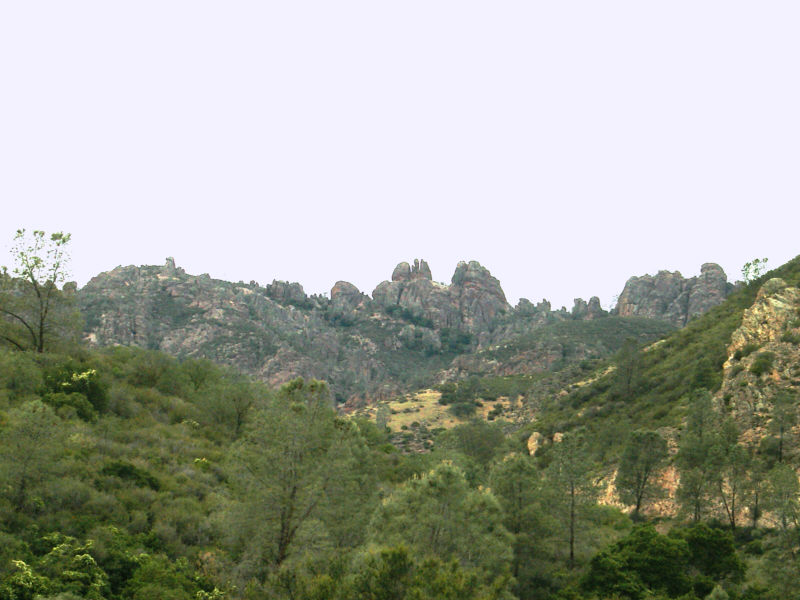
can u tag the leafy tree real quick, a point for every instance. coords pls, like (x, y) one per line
(158, 577)
(784, 417)
(383, 416)
(731, 463)
(694, 456)
(753, 269)
(757, 488)
(642, 459)
(30, 449)
(226, 403)
(393, 574)
(283, 470)
(439, 515)
(72, 569)
(516, 482)
(34, 309)
(640, 564)
(477, 439)
(569, 488)
(627, 377)
(712, 552)
(784, 495)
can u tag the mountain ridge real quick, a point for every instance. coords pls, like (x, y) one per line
(365, 346)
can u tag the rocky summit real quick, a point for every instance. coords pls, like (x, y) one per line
(366, 346)
(673, 298)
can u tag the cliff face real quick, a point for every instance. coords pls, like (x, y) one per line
(764, 355)
(673, 298)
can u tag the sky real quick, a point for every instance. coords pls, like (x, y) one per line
(566, 146)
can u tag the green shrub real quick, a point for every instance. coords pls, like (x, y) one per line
(78, 402)
(463, 410)
(762, 363)
(791, 337)
(129, 472)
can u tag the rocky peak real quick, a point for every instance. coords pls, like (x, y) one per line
(592, 310)
(673, 298)
(284, 292)
(170, 270)
(479, 295)
(402, 272)
(406, 272)
(345, 296)
(470, 303)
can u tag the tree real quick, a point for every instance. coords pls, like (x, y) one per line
(784, 417)
(639, 564)
(226, 403)
(393, 574)
(516, 482)
(569, 487)
(629, 371)
(439, 515)
(784, 495)
(30, 451)
(642, 459)
(33, 308)
(694, 456)
(284, 468)
(731, 466)
(754, 269)
(712, 556)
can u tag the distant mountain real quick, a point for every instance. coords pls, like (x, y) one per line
(410, 333)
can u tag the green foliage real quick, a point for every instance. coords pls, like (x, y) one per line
(754, 269)
(34, 312)
(159, 577)
(712, 552)
(129, 472)
(640, 564)
(392, 573)
(644, 455)
(477, 440)
(30, 453)
(73, 400)
(762, 363)
(783, 495)
(570, 489)
(463, 410)
(296, 459)
(439, 515)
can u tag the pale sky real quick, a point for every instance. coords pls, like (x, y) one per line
(564, 145)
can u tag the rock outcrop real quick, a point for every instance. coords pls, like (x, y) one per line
(673, 298)
(284, 292)
(592, 310)
(763, 356)
(366, 348)
(469, 303)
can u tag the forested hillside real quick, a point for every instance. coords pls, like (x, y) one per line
(668, 470)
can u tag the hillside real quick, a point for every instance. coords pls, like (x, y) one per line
(130, 474)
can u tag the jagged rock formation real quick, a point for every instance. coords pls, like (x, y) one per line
(764, 354)
(470, 303)
(592, 310)
(671, 297)
(285, 292)
(411, 329)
